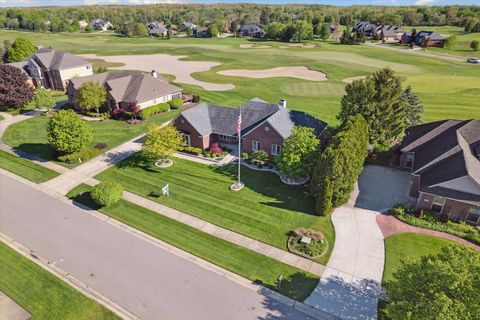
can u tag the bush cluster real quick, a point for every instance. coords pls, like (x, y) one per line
(175, 103)
(107, 193)
(84, 154)
(430, 221)
(150, 111)
(191, 150)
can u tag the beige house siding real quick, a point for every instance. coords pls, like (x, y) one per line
(161, 99)
(82, 71)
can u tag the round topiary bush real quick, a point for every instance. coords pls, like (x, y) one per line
(107, 193)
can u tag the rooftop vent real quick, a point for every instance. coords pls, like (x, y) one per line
(283, 103)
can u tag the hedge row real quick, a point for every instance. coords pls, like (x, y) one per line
(150, 111)
(428, 221)
(84, 155)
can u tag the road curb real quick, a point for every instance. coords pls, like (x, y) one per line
(67, 278)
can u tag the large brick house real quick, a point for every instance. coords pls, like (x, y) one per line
(264, 125)
(128, 87)
(423, 38)
(53, 69)
(444, 159)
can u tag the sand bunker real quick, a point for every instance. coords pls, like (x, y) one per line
(350, 80)
(291, 72)
(299, 45)
(167, 64)
(254, 46)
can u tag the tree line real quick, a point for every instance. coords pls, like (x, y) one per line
(232, 16)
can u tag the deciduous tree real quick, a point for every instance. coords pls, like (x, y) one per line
(324, 31)
(303, 30)
(160, 143)
(20, 49)
(443, 286)
(43, 99)
(67, 133)
(297, 157)
(91, 96)
(15, 92)
(474, 45)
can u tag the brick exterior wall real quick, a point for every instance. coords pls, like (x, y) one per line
(196, 139)
(266, 135)
(452, 209)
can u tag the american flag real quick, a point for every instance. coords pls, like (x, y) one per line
(239, 124)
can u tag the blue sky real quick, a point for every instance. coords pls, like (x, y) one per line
(27, 3)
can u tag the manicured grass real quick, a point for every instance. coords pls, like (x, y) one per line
(320, 99)
(404, 246)
(42, 294)
(297, 284)
(266, 209)
(1, 117)
(24, 168)
(30, 135)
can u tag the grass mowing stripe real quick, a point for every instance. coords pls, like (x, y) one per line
(42, 294)
(24, 168)
(297, 283)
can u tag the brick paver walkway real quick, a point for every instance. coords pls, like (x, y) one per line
(389, 225)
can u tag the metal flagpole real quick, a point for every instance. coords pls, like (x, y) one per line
(239, 130)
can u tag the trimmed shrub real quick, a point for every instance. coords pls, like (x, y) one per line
(191, 150)
(196, 98)
(176, 103)
(107, 193)
(84, 155)
(260, 156)
(150, 111)
(245, 155)
(215, 149)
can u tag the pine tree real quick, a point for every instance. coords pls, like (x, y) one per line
(413, 108)
(323, 204)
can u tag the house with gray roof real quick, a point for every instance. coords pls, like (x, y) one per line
(424, 38)
(264, 125)
(127, 88)
(99, 24)
(53, 69)
(444, 159)
(251, 30)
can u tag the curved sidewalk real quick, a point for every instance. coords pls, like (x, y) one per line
(389, 225)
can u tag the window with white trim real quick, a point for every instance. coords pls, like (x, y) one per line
(276, 148)
(223, 137)
(437, 204)
(256, 145)
(473, 215)
(187, 139)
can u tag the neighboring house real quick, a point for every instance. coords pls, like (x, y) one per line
(128, 87)
(161, 31)
(424, 39)
(201, 32)
(430, 39)
(332, 27)
(99, 24)
(367, 28)
(187, 25)
(83, 24)
(251, 30)
(444, 159)
(388, 33)
(155, 25)
(53, 69)
(264, 125)
(22, 65)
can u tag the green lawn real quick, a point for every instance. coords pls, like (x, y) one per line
(249, 264)
(30, 135)
(409, 245)
(42, 294)
(266, 209)
(321, 99)
(1, 117)
(24, 168)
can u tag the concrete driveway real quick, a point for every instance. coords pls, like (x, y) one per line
(351, 283)
(379, 188)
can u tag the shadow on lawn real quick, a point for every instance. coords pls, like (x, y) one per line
(41, 152)
(293, 198)
(290, 286)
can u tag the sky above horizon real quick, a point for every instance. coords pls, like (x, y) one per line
(29, 3)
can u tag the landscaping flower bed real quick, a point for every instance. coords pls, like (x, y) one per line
(428, 220)
(315, 247)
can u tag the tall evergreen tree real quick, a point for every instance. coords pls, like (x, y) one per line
(413, 108)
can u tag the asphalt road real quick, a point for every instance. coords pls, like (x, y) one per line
(147, 280)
